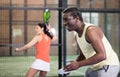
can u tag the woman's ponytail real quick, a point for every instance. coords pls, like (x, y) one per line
(46, 30)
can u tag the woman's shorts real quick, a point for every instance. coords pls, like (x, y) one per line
(41, 65)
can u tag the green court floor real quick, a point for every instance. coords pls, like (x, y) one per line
(17, 66)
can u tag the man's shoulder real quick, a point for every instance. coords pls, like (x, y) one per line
(89, 24)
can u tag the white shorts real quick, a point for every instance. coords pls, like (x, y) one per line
(41, 65)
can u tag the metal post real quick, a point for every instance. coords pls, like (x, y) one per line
(119, 31)
(25, 25)
(105, 19)
(10, 28)
(62, 49)
(64, 38)
(60, 35)
(78, 3)
(90, 5)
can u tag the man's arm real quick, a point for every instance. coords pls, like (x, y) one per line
(94, 37)
(81, 56)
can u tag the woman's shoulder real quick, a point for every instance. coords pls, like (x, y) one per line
(38, 37)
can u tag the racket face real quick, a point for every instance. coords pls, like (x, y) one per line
(46, 15)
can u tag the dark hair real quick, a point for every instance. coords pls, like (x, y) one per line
(74, 12)
(46, 31)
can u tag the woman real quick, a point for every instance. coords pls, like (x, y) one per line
(42, 42)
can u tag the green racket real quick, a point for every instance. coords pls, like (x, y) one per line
(46, 16)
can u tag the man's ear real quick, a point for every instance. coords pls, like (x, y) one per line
(77, 19)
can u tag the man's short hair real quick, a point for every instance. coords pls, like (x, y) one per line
(74, 12)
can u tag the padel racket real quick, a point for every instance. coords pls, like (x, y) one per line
(46, 16)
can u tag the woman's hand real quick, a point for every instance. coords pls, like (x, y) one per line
(16, 49)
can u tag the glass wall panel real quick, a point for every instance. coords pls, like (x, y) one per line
(112, 4)
(72, 2)
(97, 4)
(17, 15)
(101, 21)
(51, 3)
(17, 3)
(85, 3)
(4, 39)
(35, 3)
(5, 3)
(34, 15)
(4, 32)
(113, 30)
(4, 15)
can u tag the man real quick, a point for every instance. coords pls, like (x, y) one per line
(95, 50)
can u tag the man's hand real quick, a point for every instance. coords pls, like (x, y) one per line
(72, 66)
